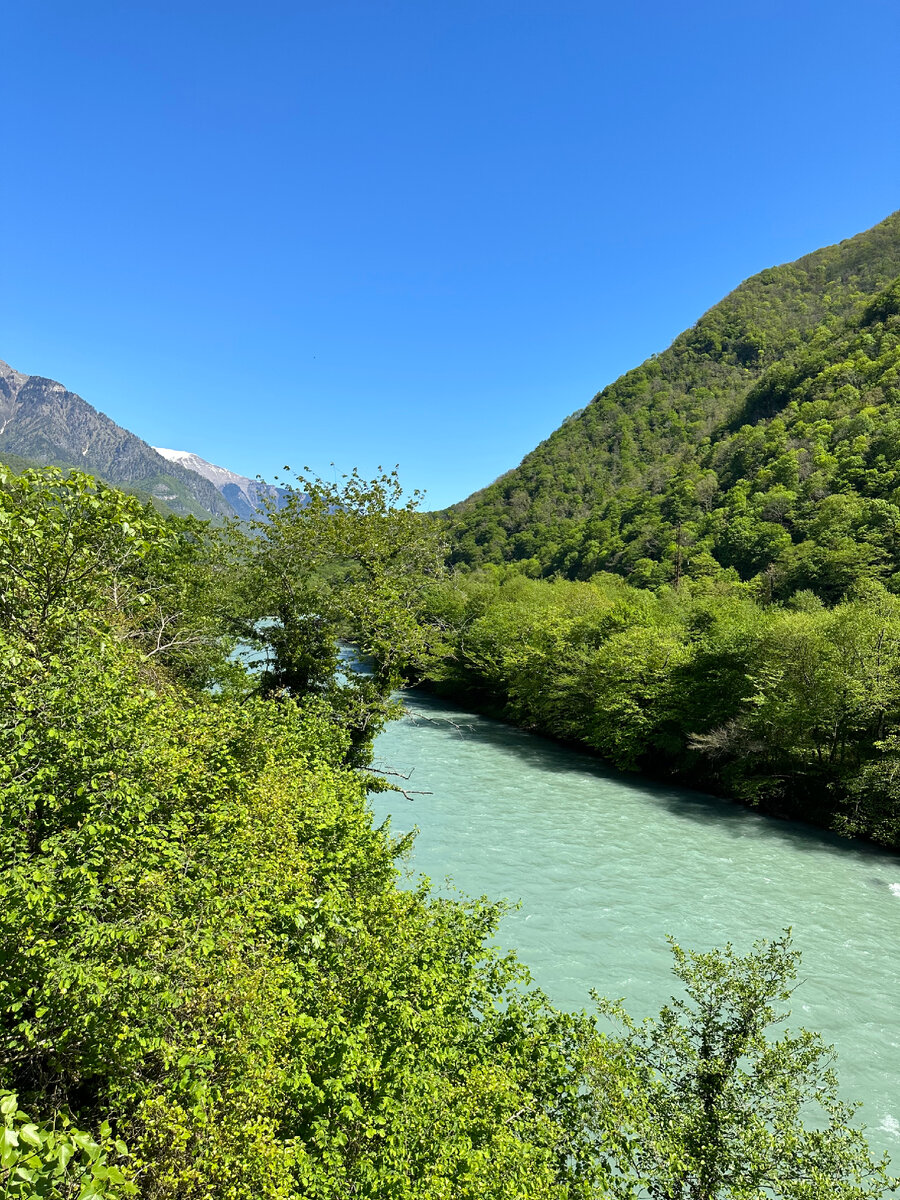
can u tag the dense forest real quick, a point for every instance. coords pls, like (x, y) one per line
(761, 446)
(212, 984)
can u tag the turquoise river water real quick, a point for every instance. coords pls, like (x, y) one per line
(605, 865)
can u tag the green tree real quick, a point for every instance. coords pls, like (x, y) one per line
(715, 1108)
(346, 560)
(78, 557)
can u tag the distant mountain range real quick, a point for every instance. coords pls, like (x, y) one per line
(42, 423)
(246, 496)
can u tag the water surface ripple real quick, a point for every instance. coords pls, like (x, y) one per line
(605, 865)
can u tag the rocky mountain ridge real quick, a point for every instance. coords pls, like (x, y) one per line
(43, 423)
(246, 496)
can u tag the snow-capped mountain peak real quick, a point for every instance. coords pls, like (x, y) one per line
(217, 475)
(245, 495)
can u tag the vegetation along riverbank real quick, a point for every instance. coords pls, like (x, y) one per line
(212, 985)
(794, 708)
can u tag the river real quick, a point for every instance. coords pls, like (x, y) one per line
(604, 865)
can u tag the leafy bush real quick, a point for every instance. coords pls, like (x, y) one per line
(59, 1162)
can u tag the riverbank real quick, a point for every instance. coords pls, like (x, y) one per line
(791, 710)
(485, 705)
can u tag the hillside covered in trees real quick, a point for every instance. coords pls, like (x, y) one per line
(718, 534)
(761, 445)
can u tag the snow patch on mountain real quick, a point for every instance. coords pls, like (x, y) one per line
(217, 475)
(246, 496)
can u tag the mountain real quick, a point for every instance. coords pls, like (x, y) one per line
(764, 444)
(42, 422)
(246, 496)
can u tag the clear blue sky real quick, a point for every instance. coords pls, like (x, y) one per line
(414, 231)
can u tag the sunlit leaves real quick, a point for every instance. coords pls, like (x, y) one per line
(57, 1161)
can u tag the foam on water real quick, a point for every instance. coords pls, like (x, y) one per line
(605, 865)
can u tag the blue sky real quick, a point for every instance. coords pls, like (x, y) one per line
(412, 232)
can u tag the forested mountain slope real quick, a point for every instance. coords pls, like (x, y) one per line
(761, 443)
(42, 422)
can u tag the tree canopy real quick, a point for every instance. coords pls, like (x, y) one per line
(718, 1108)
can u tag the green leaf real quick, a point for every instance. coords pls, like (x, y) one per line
(30, 1134)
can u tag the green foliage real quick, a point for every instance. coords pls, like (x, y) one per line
(235, 968)
(80, 558)
(762, 445)
(204, 953)
(201, 937)
(795, 708)
(59, 1162)
(346, 561)
(716, 1109)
